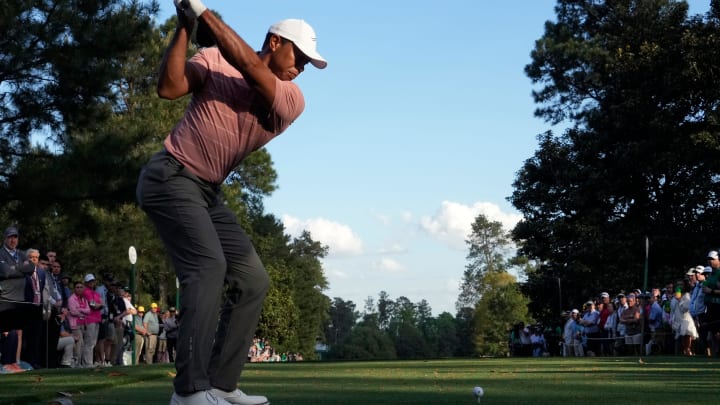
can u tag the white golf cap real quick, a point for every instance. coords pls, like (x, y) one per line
(303, 36)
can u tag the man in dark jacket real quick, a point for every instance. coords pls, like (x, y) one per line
(15, 311)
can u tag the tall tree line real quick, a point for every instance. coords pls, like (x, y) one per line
(489, 304)
(638, 84)
(409, 331)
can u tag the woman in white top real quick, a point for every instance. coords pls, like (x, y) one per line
(683, 324)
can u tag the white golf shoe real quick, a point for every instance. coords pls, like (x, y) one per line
(207, 397)
(240, 398)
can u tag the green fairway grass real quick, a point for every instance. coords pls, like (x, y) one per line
(667, 380)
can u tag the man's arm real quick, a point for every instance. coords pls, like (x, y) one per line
(74, 307)
(241, 56)
(7, 270)
(145, 323)
(234, 49)
(173, 82)
(140, 328)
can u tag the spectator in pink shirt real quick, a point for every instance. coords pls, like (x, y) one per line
(78, 310)
(92, 320)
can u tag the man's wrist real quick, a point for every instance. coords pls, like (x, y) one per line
(197, 7)
(192, 8)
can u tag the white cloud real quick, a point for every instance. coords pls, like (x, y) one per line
(339, 274)
(340, 238)
(452, 223)
(407, 216)
(387, 264)
(393, 249)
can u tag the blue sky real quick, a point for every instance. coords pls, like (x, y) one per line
(419, 123)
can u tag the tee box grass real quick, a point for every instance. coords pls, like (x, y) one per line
(504, 380)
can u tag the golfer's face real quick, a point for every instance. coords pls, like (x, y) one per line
(288, 61)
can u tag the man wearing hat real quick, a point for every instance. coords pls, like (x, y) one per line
(697, 304)
(590, 319)
(571, 338)
(152, 325)
(92, 320)
(140, 332)
(19, 310)
(171, 330)
(711, 288)
(106, 334)
(11, 254)
(604, 314)
(13, 267)
(241, 99)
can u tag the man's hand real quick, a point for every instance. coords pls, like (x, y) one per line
(192, 8)
(184, 20)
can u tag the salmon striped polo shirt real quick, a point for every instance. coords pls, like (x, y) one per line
(226, 120)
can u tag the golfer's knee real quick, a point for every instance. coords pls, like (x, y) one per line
(258, 283)
(252, 281)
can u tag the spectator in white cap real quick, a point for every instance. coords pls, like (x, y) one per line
(590, 319)
(92, 320)
(571, 338)
(604, 314)
(241, 99)
(711, 288)
(697, 306)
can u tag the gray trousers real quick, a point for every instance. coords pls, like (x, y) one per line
(222, 281)
(90, 334)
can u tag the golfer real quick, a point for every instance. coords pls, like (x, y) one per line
(241, 99)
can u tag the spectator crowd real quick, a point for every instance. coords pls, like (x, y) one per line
(50, 320)
(680, 318)
(262, 352)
